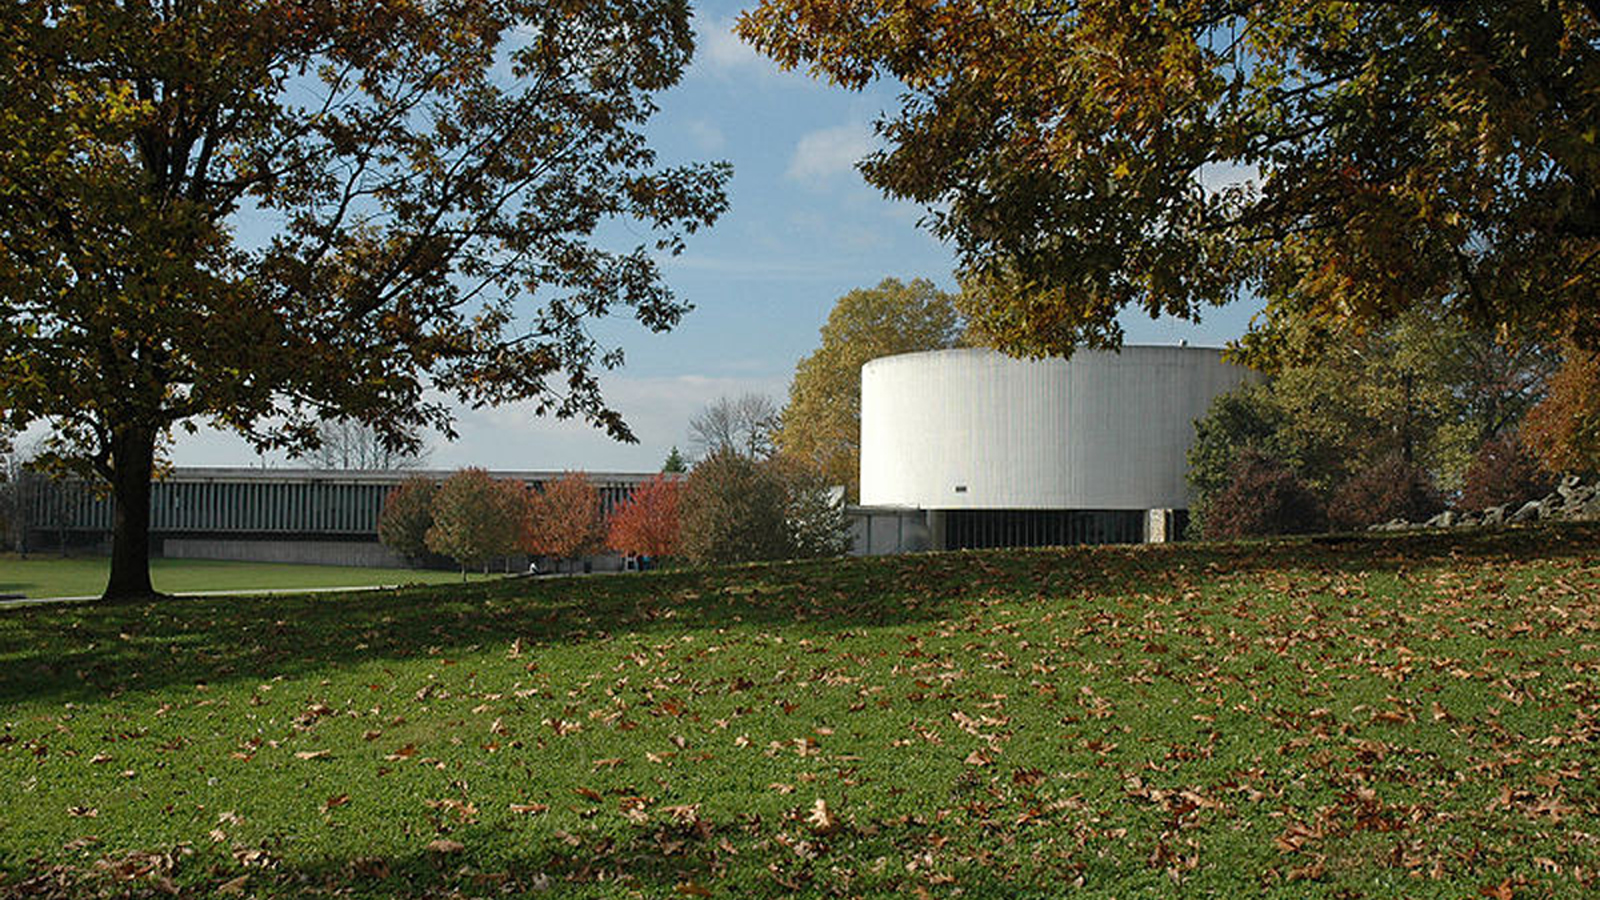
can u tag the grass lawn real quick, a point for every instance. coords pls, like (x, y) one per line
(1406, 716)
(85, 576)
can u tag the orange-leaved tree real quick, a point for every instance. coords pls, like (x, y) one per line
(647, 523)
(477, 518)
(1564, 429)
(564, 520)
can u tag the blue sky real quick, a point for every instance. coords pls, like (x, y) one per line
(803, 229)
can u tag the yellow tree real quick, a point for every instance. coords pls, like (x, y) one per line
(426, 182)
(822, 423)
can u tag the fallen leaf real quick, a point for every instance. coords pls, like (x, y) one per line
(692, 889)
(233, 886)
(822, 820)
(310, 754)
(1501, 891)
(445, 845)
(534, 808)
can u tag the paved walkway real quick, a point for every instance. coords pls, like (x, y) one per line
(247, 592)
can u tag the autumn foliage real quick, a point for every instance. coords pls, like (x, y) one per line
(564, 520)
(1564, 429)
(1392, 488)
(477, 518)
(1502, 472)
(646, 524)
(407, 515)
(1264, 497)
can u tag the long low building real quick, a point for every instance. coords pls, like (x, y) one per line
(270, 515)
(985, 450)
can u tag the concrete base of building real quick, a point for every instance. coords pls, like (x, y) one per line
(879, 530)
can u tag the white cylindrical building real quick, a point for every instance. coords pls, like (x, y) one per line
(1010, 451)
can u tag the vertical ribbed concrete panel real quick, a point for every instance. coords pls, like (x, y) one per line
(975, 429)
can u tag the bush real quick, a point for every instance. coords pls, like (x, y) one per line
(406, 517)
(1392, 488)
(1264, 497)
(1503, 471)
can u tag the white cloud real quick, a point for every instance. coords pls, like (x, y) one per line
(512, 437)
(719, 48)
(708, 137)
(831, 151)
(658, 410)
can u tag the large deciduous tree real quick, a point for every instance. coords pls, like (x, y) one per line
(822, 423)
(349, 445)
(1345, 160)
(260, 213)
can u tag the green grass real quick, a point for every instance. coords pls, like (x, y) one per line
(53, 576)
(1411, 716)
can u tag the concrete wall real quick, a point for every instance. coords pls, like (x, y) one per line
(975, 429)
(317, 553)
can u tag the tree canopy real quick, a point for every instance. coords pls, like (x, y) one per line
(822, 423)
(407, 515)
(564, 518)
(425, 181)
(646, 524)
(744, 424)
(1343, 160)
(477, 517)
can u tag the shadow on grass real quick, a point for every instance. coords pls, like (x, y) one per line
(662, 859)
(84, 651)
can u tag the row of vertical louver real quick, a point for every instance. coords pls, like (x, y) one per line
(248, 504)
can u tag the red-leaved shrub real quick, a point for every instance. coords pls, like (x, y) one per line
(1392, 488)
(1503, 472)
(1264, 497)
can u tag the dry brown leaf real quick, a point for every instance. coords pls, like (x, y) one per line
(445, 845)
(822, 820)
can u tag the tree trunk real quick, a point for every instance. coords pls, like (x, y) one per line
(132, 458)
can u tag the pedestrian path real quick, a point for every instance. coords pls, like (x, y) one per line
(246, 592)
